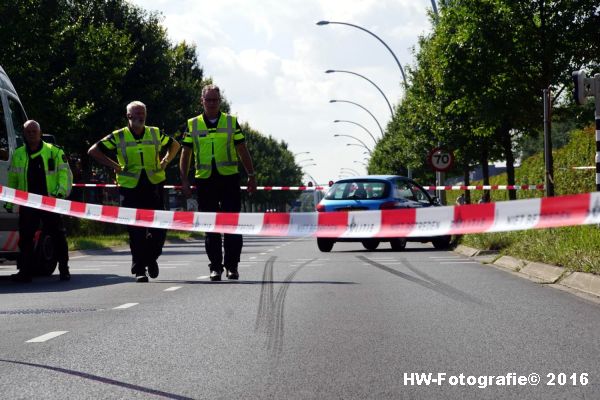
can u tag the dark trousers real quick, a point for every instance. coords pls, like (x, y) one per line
(29, 223)
(146, 244)
(221, 193)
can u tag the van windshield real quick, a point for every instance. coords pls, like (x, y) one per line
(18, 118)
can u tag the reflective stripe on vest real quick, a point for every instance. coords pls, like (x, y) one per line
(130, 176)
(203, 168)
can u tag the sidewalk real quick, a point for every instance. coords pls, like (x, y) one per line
(559, 277)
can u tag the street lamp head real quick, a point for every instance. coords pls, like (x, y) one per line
(337, 120)
(332, 101)
(329, 71)
(336, 135)
(323, 23)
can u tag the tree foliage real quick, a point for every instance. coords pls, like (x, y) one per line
(476, 86)
(77, 64)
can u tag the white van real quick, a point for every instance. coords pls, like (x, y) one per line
(12, 118)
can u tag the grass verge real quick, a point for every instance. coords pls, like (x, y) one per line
(574, 247)
(107, 241)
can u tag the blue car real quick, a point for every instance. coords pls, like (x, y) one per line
(378, 192)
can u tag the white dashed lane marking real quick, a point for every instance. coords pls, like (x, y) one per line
(46, 337)
(203, 277)
(172, 289)
(126, 305)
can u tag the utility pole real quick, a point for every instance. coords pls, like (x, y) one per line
(549, 162)
(590, 87)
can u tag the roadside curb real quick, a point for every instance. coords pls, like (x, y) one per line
(539, 272)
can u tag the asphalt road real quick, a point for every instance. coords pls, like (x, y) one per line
(299, 324)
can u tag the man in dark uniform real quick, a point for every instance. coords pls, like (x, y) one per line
(140, 176)
(216, 140)
(41, 168)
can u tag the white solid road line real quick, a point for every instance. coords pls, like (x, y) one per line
(126, 305)
(172, 288)
(84, 269)
(75, 257)
(459, 262)
(115, 262)
(46, 337)
(174, 263)
(203, 277)
(448, 256)
(167, 267)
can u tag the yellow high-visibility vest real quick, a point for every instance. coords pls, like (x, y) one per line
(59, 179)
(217, 144)
(133, 156)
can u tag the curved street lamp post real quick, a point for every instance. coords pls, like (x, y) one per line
(355, 123)
(358, 105)
(360, 145)
(320, 23)
(344, 169)
(329, 71)
(355, 138)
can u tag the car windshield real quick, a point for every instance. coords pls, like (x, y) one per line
(366, 189)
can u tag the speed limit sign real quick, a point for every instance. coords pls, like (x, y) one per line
(440, 159)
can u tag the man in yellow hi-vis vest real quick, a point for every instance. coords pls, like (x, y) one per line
(216, 140)
(41, 168)
(140, 176)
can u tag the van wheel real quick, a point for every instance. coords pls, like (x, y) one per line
(441, 242)
(370, 244)
(45, 259)
(325, 245)
(398, 244)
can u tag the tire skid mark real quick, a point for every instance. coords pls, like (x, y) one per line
(265, 304)
(428, 282)
(271, 307)
(275, 342)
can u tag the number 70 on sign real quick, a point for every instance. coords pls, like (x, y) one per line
(440, 159)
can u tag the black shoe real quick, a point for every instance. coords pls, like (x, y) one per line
(141, 278)
(64, 275)
(232, 273)
(153, 269)
(21, 277)
(215, 275)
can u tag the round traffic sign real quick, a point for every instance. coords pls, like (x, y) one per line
(440, 159)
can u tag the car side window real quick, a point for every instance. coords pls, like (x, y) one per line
(408, 191)
(402, 190)
(419, 194)
(4, 147)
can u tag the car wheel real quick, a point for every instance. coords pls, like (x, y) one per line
(442, 242)
(398, 244)
(325, 245)
(370, 244)
(45, 259)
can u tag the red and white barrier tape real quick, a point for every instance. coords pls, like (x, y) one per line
(417, 222)
(486, 187)
(311, 188)
(267, 188)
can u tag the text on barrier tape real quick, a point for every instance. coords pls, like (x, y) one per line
(267, 188)
(309, 188)
(513, 215)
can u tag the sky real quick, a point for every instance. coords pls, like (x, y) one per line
(269, 58)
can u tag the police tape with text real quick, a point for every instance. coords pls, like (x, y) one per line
(536, 213)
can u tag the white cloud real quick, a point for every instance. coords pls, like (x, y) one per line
(269, 58)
